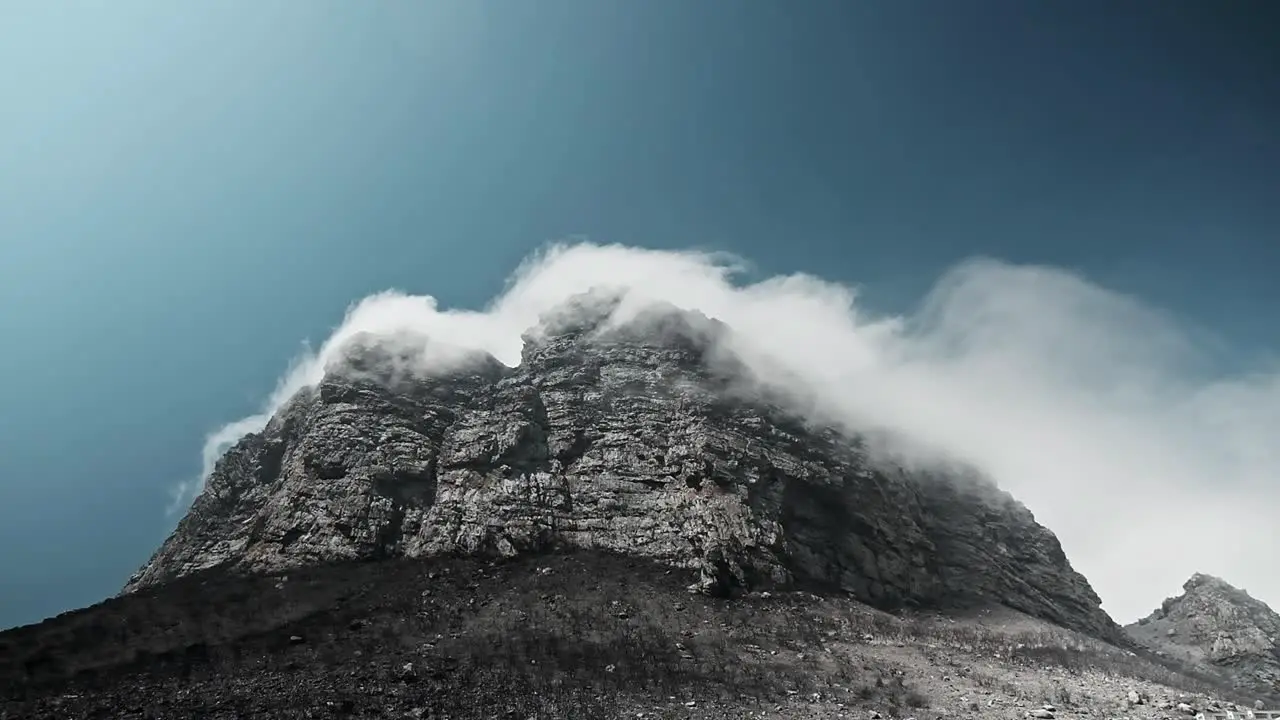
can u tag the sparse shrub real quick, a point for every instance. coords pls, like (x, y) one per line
(913, 698)
(984, 680)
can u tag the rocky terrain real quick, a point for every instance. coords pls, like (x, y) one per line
(626, 524)
(1219, 628)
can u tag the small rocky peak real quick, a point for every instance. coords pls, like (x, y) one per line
(1218, 624)
(607, 313)
(1203, 592)
(1200, 593)
(665, 325)
(606, 318)
(1205, 581)
(580, 314)
(395, 360)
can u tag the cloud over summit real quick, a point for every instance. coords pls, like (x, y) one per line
(1097, 411)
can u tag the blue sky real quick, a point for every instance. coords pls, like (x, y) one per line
(190, 190)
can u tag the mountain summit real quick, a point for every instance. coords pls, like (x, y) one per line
(632, 437)
(1218, 626)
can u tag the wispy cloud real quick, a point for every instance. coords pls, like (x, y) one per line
(1096, 410)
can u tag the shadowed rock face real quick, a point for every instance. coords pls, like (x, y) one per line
(1219, 626)
(636, 439)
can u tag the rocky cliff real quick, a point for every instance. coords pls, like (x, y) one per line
(642, 439)
(1219, 626)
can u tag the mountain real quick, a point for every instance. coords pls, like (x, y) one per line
(628, 523)
(646, 438)
(1217, 626)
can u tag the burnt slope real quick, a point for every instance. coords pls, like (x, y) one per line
(579, 635)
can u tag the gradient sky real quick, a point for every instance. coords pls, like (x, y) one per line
(188, 191)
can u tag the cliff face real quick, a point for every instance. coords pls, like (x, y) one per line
(639, 441)
(1220, 626)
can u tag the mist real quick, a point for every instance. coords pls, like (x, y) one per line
(1105, 416)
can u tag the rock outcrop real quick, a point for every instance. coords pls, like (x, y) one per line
(643, 439)
(1218, 627)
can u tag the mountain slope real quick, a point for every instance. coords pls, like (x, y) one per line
(1218, 626)
(645, 439)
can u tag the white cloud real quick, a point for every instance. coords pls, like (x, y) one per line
(1087, 405)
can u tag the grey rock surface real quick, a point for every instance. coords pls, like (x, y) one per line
(1218, 626)
(639, 440)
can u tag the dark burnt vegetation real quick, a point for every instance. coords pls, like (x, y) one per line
(580, 635)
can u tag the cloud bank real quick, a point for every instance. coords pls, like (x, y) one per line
(1092, 408)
